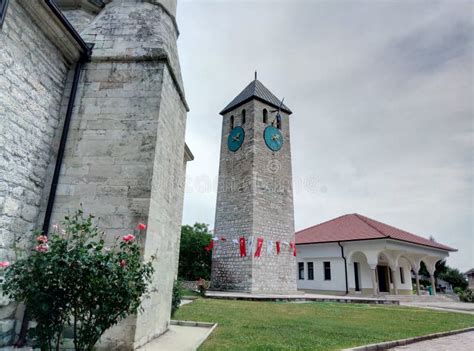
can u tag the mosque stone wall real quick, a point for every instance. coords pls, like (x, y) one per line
(33, 75)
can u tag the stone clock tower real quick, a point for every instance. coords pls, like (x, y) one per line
(255, 196)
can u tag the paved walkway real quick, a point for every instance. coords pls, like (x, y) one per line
(300, 296)
(458, 342)
(179, 338)
(462, 307)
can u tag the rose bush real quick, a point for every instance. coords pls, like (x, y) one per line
(73, 279)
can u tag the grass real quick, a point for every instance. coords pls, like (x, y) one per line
(188, 292)
(250, 325)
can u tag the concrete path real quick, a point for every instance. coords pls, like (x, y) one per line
(179, 338)
(462, 307)
(300, 296)
(458, 342)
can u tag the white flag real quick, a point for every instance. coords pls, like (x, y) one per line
(215, 238)
(235, 242)
(269, 248)
(250, 246)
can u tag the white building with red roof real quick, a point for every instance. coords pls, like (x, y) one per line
(353, 254)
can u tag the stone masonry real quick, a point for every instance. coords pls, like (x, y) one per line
(125, 156)
(33, 76)
(254, 200)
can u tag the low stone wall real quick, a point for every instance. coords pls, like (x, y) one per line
(189, 284)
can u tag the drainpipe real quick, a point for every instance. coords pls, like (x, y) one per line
(86, 54)
(345, 266)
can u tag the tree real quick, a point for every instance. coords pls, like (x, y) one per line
(450, 275)
(454, 277)
(194, 261)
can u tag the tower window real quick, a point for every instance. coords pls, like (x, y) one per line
(278, 121)
(265, 116)
(243, 116)
(231, 122)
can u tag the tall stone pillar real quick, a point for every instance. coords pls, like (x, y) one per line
(125, 155)
(417, 278)
(394, 280)
(374, 279)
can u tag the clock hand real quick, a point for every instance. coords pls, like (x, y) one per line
(237, 137)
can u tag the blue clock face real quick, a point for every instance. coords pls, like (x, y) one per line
(235, 138)
(273, 138)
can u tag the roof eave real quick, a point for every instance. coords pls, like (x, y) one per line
(449, 249)
(233, 107)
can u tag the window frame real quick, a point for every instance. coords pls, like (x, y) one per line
(3, 11)
(300, 270)
(310, 270)
(327, 270)
(265, 116)
(232, 121)
(244, 116)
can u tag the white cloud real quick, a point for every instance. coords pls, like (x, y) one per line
(382, 100)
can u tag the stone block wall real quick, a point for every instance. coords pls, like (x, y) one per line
(33, 74)
(254, 199)
(125, 155)
(273, 207)
(234, 206)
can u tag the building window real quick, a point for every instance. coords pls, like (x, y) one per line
(231, 122)
(243, 116)
(300, 270)
(3, 10)
(310, 267)
(402, 276)
(327, 270)
(265, 116)
(390, 277)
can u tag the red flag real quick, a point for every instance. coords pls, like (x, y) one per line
(243, 251)
(259, 247)
(278, 247)
(293, 246)
(210, 246)
(223, 239)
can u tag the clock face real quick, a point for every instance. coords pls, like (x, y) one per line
(273, 138)
(235, 138)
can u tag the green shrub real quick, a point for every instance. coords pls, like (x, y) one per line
(465, 295)
(72, 278)
(177, 296)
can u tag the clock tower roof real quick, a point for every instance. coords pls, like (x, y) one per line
(255, 90)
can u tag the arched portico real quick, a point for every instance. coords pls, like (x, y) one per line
(387, 270)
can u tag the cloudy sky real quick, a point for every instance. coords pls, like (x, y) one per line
(382, 95)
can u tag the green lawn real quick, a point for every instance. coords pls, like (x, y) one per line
(249, 325)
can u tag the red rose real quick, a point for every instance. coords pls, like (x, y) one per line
(42, 239)
(129, 237)
(141, 226)
(123, 263)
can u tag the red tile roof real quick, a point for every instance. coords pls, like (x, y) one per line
(354, 227)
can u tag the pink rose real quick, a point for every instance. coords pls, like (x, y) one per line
(4, 264)
(42, 239)
(42, 248)
(129, 237)
(123, 263)
(141, 226)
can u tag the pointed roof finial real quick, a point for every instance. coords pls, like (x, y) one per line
(255, 74)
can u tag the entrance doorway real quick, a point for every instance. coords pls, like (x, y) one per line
(382, 275)
(357, 276)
